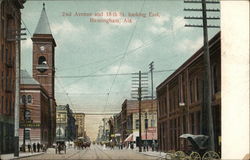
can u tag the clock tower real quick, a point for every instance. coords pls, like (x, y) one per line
(44, 64)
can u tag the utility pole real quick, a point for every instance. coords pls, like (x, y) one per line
(15, 35)
(140, 86)
(24, 119)
(151, 68)
(207, 116)
(139, 99)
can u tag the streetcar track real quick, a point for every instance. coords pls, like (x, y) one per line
(97, 157)
(104, 153)
(74, 154)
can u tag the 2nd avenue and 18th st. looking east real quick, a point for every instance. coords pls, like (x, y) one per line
(121, 80)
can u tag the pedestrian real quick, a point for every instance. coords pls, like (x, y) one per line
(42, 148)
(132, 145)
(29, 147)
(38, 146)
(34, 147)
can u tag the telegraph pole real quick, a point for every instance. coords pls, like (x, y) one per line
(151, 68)
(207, 116)
(139, 99)
(15, 35)
(24, 119)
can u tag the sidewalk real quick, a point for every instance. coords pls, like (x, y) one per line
(151, 153)
(154, 154)
(21, 155)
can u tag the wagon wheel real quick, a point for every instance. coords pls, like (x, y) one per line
(195, 156)
(180, 154)
(210, 155)
(186, 158)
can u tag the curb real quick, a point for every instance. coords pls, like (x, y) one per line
(25, 156)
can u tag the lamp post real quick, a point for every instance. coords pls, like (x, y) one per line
(146, 128)
(24, 120)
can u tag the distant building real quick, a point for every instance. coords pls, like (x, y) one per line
(130, 120)
(80, 124)
(10, 28)
(117, 127)
(65, 123)
(180, 100)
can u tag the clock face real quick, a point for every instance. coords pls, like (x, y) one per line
(42, 48)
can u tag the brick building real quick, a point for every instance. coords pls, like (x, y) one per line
(35, 104)
(180, 100)
(44, 65)
(65, 123)
(130, 120)
(39, 88)
(80, 124)
(10, 25)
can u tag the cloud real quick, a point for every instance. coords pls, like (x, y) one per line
(162, 19)
(123, 69)
(167, 25)
(179, 24)
(27, 44)
(135, 44)
(66, 28)
(188, 45)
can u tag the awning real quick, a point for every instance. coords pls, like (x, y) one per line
(148, 136)
(129, 138)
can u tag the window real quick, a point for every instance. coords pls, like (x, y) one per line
(152, 123)
(42, 60)
(137, 124)
(197, 88)
(6, 56)
(6, 105)
(191, 91)
(23, 99)
(146, 123)
(27, 115)
(2, 79)
(29, 99)
(2, 52)
(27, 134)
(214, 79)
(2, 104)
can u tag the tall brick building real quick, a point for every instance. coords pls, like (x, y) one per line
(180, 100)
(10, 25)
(80, 124)
(43, 78)
(44, 65)
(34, 102)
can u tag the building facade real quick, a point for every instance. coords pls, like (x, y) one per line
(80, 124)
(44, 64)
(10, 29)
(130, 120)
(180, 100)
(34, 111)
(65, 123)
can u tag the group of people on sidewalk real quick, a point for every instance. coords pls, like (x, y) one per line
(37, 147)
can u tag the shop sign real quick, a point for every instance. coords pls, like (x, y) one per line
(30, 125)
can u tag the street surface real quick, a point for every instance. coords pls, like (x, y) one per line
(94, 152)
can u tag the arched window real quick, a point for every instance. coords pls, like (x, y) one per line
(29, 99)
(42, 61)
(23, 99)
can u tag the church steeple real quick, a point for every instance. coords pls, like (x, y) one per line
(43, 23)
(44, 54)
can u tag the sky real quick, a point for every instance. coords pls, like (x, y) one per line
(93, 60)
